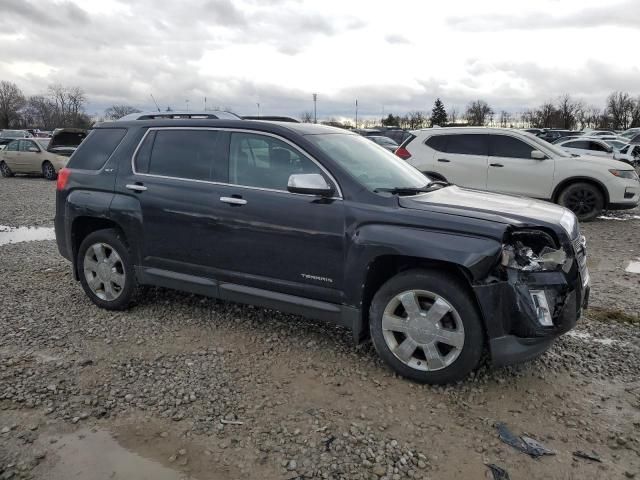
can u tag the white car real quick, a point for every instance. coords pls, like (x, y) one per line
(587, 146)
(518, 163)
(630, 133)
(629, 154)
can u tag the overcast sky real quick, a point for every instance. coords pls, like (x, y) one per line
(393, 56)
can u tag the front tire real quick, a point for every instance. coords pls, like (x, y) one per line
(5, 171)
(425, 326)
(48, 171)
(583, 199)
(106, 270)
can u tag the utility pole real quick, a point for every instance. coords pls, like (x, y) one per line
(315, 110)
(258, 104)
(205, 104)
(356, 113)
(187, 102)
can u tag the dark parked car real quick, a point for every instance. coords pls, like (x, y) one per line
(318, 221)
(65, 141)
(384, 142)
(552, 135)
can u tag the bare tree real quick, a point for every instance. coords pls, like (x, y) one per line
(635, 114)
(40, 112)
(114, 112)
(478, 113)
(567, 110)
(69, 106)
(505, 118)
(453, 115)
(620, 109)
(306, 117)
(417, 119)
(11, 102)
(543, 116)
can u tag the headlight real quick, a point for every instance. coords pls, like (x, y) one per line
(568, 221)
(532, 251)
(631, 174)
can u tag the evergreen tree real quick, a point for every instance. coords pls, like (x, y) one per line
(438, 114)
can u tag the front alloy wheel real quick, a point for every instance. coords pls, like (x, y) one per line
(583, 199)
(423, 330)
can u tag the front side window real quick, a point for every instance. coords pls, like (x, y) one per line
(188, 154)
(468, 144)
(265, 162)
(506, 146)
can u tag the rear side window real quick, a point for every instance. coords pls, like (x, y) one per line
(597, 147)
(438, 142)
(468, 144)
(96, 149)
(506, 146)
(179, 153)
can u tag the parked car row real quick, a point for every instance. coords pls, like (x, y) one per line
(322, 222)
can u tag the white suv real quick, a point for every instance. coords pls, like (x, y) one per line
(518, 163)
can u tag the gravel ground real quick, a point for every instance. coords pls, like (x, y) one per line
(182, 386)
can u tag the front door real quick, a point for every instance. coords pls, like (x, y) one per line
(513, 171)
(274, 239)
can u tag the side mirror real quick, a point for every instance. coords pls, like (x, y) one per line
(309, 184)
(33, 150)
(537, 155)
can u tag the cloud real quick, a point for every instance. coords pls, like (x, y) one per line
(625, 14)
(395, 38)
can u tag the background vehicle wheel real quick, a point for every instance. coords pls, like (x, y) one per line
(106, 270)
(583, 199)
(5, 171)
(425, 326)
(48, 171)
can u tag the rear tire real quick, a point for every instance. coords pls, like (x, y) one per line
(48, 171)
(105, 268)
(426, 327)
(5, 171)
(583, 199)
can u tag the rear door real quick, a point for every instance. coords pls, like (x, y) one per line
(173, 179)
(513, 171)
(462, 158)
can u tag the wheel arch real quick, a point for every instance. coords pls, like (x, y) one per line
(84, 225)
(568, 181)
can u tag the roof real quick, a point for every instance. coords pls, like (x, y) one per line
(180, 113)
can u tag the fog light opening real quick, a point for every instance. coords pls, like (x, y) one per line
(542, 307)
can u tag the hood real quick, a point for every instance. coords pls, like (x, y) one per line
(608, 162)
(493, 206)
(66, 140)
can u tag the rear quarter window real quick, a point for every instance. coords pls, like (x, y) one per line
(96, 149)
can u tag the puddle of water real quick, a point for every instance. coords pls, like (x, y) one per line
(587, 337)
(25, 234)
(633, 267)
(98, 456)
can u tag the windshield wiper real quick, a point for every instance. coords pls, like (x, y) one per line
(430, 187)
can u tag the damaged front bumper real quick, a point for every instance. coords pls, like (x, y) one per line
(525, 311)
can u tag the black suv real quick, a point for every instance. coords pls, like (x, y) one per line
(321, 222)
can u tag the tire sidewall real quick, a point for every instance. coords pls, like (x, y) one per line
(5, 170)
(595, 212)
(452, 291)
(115, 239)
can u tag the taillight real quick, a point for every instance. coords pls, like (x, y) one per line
(403, 153)
(63, 178)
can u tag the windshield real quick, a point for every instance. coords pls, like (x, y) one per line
(13, 134)
(546, 145)
(371, 165)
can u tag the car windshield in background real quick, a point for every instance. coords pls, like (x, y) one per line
(546, 145)
(372, 166)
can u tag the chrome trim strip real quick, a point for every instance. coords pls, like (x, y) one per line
(268, 134)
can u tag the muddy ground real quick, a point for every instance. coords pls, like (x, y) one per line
(182, 386)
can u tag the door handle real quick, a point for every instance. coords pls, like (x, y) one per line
(444, 160)
(233, 200)
(136, 188)
(496, 165)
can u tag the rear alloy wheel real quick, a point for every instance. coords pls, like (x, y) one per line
(425, 326)
(5, 171)
(48, 171)
(105, 269)
(583, 199)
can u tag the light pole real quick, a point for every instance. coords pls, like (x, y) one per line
(315, 110)
(258, 104)
(356, 113)
(187, 102)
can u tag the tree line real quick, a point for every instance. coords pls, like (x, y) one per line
(621, 111)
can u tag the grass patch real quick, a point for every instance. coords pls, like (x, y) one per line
(606, 315)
